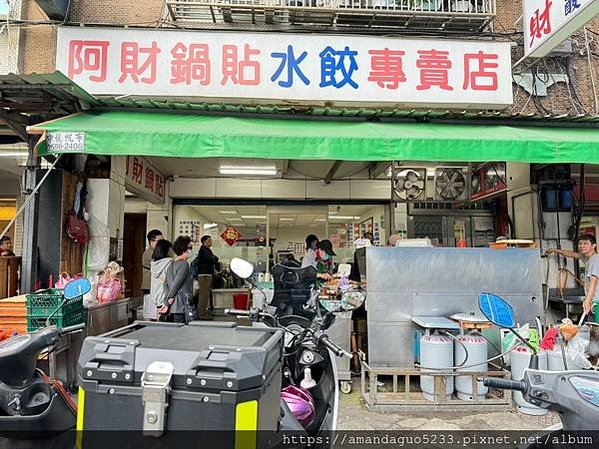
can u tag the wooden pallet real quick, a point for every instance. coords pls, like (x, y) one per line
(405, 394)
(13, 315)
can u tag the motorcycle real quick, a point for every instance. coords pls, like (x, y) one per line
(308, 352)
(33, 407)
(572, 394)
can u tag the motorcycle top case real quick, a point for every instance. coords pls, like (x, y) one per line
(168, 385)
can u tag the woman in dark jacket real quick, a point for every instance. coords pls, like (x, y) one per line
(179, 284)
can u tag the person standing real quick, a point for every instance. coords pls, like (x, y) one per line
(205, 266)
(587, 252)
(146, 262)
(179, 306)
(311, 247)
(6, 247)
(324, 259)
(161, 262)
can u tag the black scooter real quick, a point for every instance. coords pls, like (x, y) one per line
(35, 410)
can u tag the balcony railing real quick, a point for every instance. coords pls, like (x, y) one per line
(416, 15)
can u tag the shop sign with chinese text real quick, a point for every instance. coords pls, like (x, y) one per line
(286, 67)
(547, 23)
(144, 180)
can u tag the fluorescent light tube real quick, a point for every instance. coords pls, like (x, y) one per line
(232, 170)
(343, 217)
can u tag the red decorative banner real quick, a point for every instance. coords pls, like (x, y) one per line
(230, 235)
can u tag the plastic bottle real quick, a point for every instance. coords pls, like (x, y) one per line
(308, 382)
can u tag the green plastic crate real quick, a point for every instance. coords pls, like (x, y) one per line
(43, 303)
(35, 323)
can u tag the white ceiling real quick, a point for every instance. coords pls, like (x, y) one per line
(209, 168)
(281, 216)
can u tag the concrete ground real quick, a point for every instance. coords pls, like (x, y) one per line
(353, 415)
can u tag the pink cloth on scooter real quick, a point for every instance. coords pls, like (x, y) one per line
(548, 342)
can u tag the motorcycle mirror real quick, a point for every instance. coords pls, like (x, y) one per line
(497, 310)
(242, 268)
(77, 288)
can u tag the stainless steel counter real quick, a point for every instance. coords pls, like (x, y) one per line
(102, 318)
(407, 282)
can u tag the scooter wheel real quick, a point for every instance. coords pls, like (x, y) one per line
(345, 387)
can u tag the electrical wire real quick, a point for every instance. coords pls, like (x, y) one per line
(457, 340)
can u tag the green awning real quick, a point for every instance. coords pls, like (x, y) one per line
(118, 133)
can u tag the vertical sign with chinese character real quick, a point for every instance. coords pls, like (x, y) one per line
(288, 67)
(144, 180)
(547, 23)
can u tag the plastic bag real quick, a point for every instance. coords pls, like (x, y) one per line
(575, 351)
(510, 340)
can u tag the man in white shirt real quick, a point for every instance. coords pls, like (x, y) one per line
(587, 252)
(310, 256)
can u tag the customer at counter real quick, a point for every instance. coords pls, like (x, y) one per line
(311, 247)
(205, 266)
(587, 252)
(153, 237)
(161, 262)
(179, 307)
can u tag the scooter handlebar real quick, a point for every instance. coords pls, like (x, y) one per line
(505, 384)
(74, 328)
(337, 350)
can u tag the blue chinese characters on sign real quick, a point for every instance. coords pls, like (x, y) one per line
(337, 67)
(292, 63)
(570, 6)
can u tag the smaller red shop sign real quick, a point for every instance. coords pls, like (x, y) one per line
(144, 180)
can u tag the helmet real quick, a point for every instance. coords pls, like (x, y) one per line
(300, 403)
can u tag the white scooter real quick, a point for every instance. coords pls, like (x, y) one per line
(572, 394)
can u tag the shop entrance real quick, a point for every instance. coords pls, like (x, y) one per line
(134, 245)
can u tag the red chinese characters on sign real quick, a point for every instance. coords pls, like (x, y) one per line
(138, 169)
(480, 71)
(88, 56)
(190, 64)
(230, 235)
(386, 68)
(159, 188)
(244, 72)
(540, 23)
(131, 66)
(149, 184)
(434, 69)
(143, 178)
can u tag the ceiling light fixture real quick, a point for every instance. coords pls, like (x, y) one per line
(210, 226)
(240, 170)
(13, 154)
(287, 219)
(253, 217)
(343, 217)
(227, 212)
